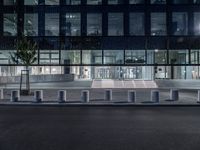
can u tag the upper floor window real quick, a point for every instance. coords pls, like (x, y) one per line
(136, 1)
(9, 2)
(73, 2)
(179, 1)
(115, 24)
(9, 24)
(51, 24)
(113, 2)
(197, 23)
(72, 24)
(158, 1)
(180, 23)
(52, 2)
(94, 24)
(31, 24)
(31, 2)
(158, 24)
(94, 2)
(196, 1)
(136, 23)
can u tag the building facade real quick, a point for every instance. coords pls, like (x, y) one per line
(105, 39)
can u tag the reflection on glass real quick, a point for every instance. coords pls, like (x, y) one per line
(158, 24)
(115, 24)
(180, 23)
(9, 24)
(136, 1)
(31, 24)
(73, 2)
(94, 2)
(113, 56)
(92, 57)
(136, 24)
(72, 24)
(51, 24)
(94, 24)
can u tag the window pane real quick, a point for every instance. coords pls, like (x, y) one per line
(70, 57)
(180, 1)
(160, 57)
(194, 56)
(115, 24)
(115, 1)
(9, 2)
(51, 24)
(10, 24)
(158, 24)
(178, 56)
(135, 57)
(158, 1)
(136, 1)
(72, 25)
(31, 2)
(52, 2)
(49, 56)
(73, 2)
(180, 23)
(196, 1)
(31, 24)
(94, 2)
(92, 56)
(113, 56)
(5, 56)
(94, 24)
(197, 23)
(136, 23)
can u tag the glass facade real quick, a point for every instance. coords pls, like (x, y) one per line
(133, 39)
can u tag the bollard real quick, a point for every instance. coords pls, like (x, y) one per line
(1, 94)
(132, 96)
(108, 95)
(174, 95)
(61, 96)
(15, 96)
(38, 95)
(198, 99)
(155, 96)
(85, 97)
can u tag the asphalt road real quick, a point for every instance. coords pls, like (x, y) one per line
(99, 128)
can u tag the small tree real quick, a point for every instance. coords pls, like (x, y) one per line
(25, 56)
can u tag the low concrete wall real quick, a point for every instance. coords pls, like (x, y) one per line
(39, 78)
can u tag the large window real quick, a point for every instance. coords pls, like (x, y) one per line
(9, 24)
(49, 57)
(160, 56)
(136, 24)
(9, 2)
(197, 23)
(194, 56)
(180, 23)
(113, 2)
(115, 24)
(70, 57)
(135, 57)
(51, 24)
(113, 56)
(31, 2)
(73, 2)
(5, 56)
(94, 24)
(178, 56)
(158, 24)
(31, 24)
(52, 2)
(94, 2)
(72, 26)
(158, 1)
(92, 57)
(136, 1)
